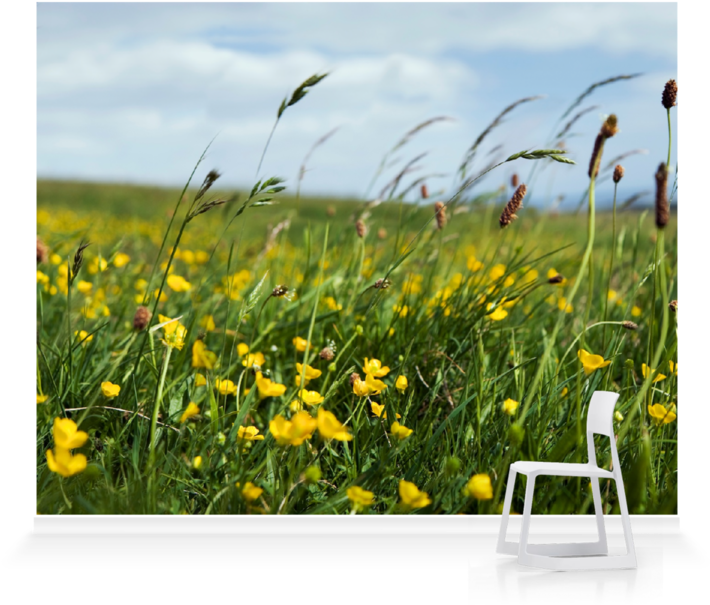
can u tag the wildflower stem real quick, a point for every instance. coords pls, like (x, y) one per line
(668, 161)
(611, 264)
(64, 495)
(156, 407)
(263, 153)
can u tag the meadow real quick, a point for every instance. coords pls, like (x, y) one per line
(263, 352)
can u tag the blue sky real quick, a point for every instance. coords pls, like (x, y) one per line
(134, 92)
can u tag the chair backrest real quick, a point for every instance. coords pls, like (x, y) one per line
(600, 420)
(600, 417)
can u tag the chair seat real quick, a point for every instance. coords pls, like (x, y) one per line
(560, 469)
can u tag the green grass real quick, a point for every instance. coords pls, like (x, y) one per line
(460, 364)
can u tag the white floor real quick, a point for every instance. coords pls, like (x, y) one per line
(377, 525)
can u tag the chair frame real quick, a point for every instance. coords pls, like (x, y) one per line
(579, 555)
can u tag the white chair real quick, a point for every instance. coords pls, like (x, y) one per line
(578, 555)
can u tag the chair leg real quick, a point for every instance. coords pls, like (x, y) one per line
(599, 513)
(523, 553)
(507, 548)
(626, 523)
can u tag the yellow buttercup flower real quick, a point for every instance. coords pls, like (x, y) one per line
(635, 311)
(121, 260)
(375, 368)
(563, 306)
(661, 415)
(200, 380)
(226, 387)
(509, 406)
(411, 496)
(498, 313)
(379, 409)
(295, 431)
(250, 491)
(110, 390)
(42, 398)
(311, 373)
(400, 431)
(496, 272)
(201, 357)
(254, 360)
(473, 264)
(331, 428)
(612, 295)
(249, 433)
(268, 388)
(300, 343)
(62, 462)
(480, 487)
(197, 462)
(591, 362)
(645, 370)
(190, 411)
(83, 336)
(552, 272)
(84, 287)
(375, 386)
(174, 332)
(360, 497)
(207, 322)
(242, 349)
(360, 388)
(401, 383)
(178, 284)
(66, 434)
(674, 368)
(310, 397)
(564, 392)
(98, 263)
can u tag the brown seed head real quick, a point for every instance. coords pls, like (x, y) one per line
(516, 202)
(440, 211)
(327, 354)
(618, 173)
(662, 210)
(360, 228)
(629, 325)
(514, 181)
(382, 284)
(42, 251)
(381, 233)
(670, 94)
(279, 291)
(142, 318)
(556, 279)
(673, 306)
(425, 192)
(609, 127)
(353, 377)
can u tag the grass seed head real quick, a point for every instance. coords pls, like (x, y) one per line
(670, 94)
(662, 210)
(673, 306)
(78, 260)
(42, 251)
(630, 325)
(425, 192)
(516, 202)
(440, 211)
(360, 228)
(618, 173)
(556, 279)
(353, 377)
(142, 318)
(514, 180)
